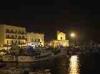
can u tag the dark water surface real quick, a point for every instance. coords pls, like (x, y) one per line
(89, 63)
(77, 64)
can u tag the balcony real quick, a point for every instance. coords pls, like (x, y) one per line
(11, 37)
(21, 32)
(15, 31)
(9, 31)
(21, 37)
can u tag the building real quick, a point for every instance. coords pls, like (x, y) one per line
(61, 40)
(35, 39)
(10, 35)
(61, 36)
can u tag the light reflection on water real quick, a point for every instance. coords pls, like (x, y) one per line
(74, 65)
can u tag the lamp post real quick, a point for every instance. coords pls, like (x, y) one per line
(73, 37)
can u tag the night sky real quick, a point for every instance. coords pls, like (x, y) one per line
(47, 16)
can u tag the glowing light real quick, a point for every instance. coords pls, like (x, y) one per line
(33, 44)
(74, 65)
(73, 35)
(2, 53)
(61, 36)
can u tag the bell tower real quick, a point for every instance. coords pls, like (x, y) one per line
(61, 35)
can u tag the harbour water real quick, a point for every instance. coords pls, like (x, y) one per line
(73, 65)
(88, 63)
(84, 64)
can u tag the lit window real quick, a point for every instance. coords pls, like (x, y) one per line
(7, 36)
(7, 30)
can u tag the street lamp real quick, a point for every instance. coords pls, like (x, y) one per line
(73, 37)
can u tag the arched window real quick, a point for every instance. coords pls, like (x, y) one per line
(12, 37)
(19, 37)
(7, 41)
(15, 36)
(12, 31)
(12, 42)
(7, 30)
(18, 42)
(15, 31)
(23, 37)
(38, 40)
(7, 36)
(61, 38)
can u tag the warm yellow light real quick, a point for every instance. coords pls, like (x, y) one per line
(74, 65)
(73, 58)
(73, 35)
(61, 36)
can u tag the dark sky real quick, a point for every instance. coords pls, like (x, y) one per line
(48, 16)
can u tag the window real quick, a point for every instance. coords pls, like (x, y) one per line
(61, 38)
(15, 42)
(35, 40)
(32, 40)
(38, 40)
(7, 36)
(18, 42)
(23, 37)
(7, 41)
(12, 31)
(12, 37)
(19, 37)
(19, 32)
(15, 36)
(7, 30)
(12, 42)
(22, 32)
(15, 31)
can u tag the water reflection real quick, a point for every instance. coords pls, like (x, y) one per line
(74, 65)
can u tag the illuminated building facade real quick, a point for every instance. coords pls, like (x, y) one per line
(61, 36)
(10, 35)
(61, 40)
(35, 38)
